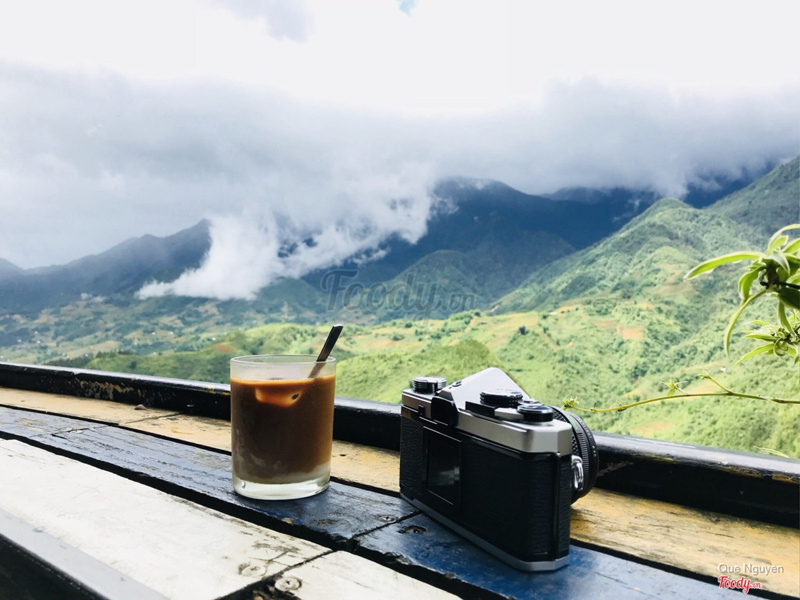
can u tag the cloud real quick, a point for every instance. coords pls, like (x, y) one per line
(285, 19)
(268, 242)
(90, 160)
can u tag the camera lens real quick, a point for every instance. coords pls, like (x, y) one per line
(584, 447)
(501, 398)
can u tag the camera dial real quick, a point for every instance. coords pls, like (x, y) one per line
(501, 398)
(428, 385)
(535, 412)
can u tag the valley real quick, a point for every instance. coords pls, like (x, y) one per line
(604, 323)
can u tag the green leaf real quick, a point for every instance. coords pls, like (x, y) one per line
(777, 242)
(782, 229)
(712, 264)
(760, 350)
(789, 297)
(780, 233)
(780, 258)
(782, 317)
(746, 282)
(793, 247)
(761, 336)
(735, 318)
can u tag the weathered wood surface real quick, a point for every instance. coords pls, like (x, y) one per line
(375, 468)
(125, 540)
(685, 539)
(752, 486)
(345, 576)
(204, 476)
(350, 463)
(344, 517)
(179, 549)
(86, 408)
(706, 542)
(424, 549)
(758, 487)
(34, 564)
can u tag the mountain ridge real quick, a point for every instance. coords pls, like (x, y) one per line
(495, 238)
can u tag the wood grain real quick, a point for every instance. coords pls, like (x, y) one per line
(686, 539)
(692, 540)
(345, 576)
(177, 548)
(74, 406)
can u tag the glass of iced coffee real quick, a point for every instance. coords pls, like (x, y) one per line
(281, 425)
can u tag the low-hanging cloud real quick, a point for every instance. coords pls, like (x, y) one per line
(292, 186)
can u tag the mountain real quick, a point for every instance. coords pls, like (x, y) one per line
(699, 194)
(121, 270)
(664, 242)
(483, 240)
(768, 203)
(8, 269)
(607, 322)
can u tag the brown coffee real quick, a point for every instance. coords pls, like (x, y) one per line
(281, 429)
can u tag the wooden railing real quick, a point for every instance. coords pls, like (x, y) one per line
(686, 509)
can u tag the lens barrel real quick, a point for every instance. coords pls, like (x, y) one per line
(583, 446)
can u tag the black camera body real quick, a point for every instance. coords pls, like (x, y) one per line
(501, 469)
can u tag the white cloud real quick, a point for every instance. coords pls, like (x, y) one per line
(283, 119)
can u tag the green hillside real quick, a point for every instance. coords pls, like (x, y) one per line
(607, 325)
(597, 353)
(768, 203)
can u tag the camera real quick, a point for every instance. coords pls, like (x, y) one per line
(501, 469)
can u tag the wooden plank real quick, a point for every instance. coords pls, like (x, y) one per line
(74, 406)
(757, 487)
(686, 539)
(344, 576)
(375, 468)
(346, 516)
(704, 542)
(25, 423)
(752, 486)
(195, 397)
(204, 476)
(177, 548)
(34, 564)
(603, 519)
(423, 549)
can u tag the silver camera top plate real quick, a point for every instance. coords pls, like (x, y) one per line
(552, 436)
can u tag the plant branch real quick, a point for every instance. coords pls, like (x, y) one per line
(725, 393)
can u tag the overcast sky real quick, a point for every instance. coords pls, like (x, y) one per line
(333, 118)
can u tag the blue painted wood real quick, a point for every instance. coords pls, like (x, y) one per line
(741, 484)
(380, 527)
(16, 421)
(204, 476)
(424, 549)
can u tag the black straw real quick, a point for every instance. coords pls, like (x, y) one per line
(326, 350)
